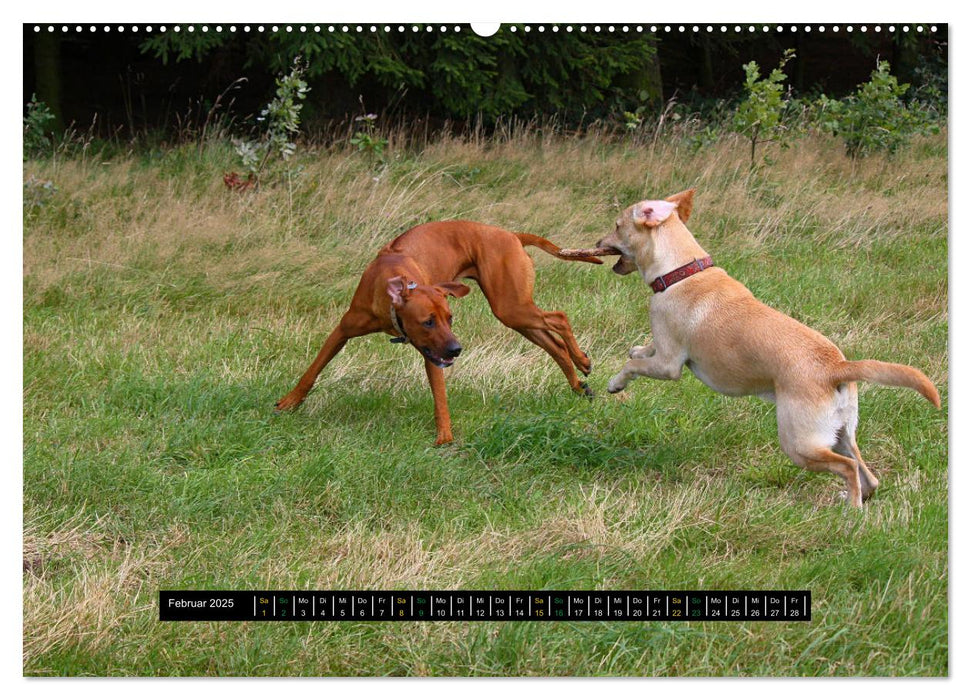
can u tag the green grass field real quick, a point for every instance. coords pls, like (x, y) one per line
(164, 315)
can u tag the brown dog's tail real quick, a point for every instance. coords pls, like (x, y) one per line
(888, 374)
(553, 249)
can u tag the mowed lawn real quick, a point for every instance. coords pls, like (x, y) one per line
(164, 315)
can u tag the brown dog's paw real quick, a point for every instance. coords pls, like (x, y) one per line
(288, 402)
(586, 366)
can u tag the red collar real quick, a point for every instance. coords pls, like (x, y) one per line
(685, 271)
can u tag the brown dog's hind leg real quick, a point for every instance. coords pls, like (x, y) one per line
(530, 317)
(557, 350)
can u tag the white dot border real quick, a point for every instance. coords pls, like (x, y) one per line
(836, 29)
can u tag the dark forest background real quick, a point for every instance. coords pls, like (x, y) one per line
(135, 83)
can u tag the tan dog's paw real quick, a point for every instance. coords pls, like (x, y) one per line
(639, 352)
(616, 384)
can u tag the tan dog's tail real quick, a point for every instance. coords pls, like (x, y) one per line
(553, 249)
(888, 374)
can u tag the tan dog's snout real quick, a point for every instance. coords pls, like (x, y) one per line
(625, 263)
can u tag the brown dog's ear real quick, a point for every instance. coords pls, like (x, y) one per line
(398, 290)
(684, 200)
(455, 289)
(653, 213)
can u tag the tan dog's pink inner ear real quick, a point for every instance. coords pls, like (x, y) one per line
(684, 200)
(653, 212)
(397, 290)
(455, 289)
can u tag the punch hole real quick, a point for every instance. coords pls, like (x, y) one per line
(485, 29)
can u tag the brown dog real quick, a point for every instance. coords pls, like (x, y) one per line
(404, 291)
(704, 320)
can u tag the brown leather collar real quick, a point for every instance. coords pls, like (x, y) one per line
(684, 272)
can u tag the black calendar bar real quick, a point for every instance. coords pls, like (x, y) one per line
(486, 606)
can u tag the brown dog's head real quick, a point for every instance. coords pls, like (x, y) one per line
(425, 317)
(635, 230)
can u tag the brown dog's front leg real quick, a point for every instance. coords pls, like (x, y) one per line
(443, 422)
(353, 325)
(335, 341)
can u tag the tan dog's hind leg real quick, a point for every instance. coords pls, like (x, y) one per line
(817, 434)
(825, 460)
(868, 482)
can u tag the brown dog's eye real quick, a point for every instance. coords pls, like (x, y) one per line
(430, 323)
(450, 320)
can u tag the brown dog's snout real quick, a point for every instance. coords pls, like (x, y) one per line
(453, 349)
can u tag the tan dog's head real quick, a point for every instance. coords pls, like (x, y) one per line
(636, 229)
(425, 317)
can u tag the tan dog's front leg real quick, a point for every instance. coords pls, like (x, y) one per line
(655, 366)
(639, 352)
(443, 421)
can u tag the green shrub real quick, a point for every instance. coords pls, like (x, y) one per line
(875, 117)
(281, 122)
(36, 121)
(367, 140)
(760, 115)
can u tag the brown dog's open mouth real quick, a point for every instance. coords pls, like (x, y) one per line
(440, 362)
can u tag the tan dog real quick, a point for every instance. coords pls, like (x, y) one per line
(404, 291)
(704, 320)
